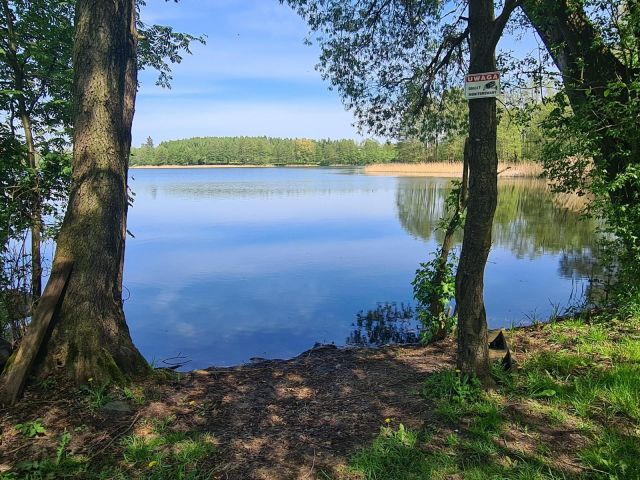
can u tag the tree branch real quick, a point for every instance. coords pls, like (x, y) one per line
(450, 44)
(501, 21)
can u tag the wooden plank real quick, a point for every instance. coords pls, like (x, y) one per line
(15, 375)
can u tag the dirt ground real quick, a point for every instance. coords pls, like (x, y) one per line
(289, 419)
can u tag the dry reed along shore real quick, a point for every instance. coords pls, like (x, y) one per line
(450, 169)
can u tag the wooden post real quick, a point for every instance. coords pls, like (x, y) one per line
(19, 365)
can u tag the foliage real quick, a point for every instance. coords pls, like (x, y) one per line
(162, 454)
(32, 428)
(167, 454)
(284, 151)
(590, 139)
(61, 450)
(97, 395)
(391, 60)
(393, 455)
(263, 150)
(434, 284)
(35, 68)
(13, 207)
(62, 466)
(159, 46)
(452, 386)
(427, 289)
(577, 160)
(134, 394)
(20, 185)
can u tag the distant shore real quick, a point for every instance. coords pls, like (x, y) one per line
(151, 167)
(430, 169)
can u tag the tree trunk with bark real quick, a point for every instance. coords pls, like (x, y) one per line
(90, 338)
(473, 354)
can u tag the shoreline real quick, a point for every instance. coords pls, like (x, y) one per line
(431, 169)
(173, 167)
(328, 408)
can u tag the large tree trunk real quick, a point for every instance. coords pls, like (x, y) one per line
(90, 337)
(473, 354)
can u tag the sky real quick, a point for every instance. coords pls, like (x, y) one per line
(255, 76)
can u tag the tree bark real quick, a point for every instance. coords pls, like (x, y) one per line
(90, 338)
(473, 354)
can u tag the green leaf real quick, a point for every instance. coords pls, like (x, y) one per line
(546, 393)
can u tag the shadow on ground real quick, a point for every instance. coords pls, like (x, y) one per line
(295, 418)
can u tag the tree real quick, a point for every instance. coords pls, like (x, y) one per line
(35, 93)
(35, 70)
(594, 146)
(484, 32)
(391, 60)
(90, 338)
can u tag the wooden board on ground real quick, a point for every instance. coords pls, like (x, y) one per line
(15, 376)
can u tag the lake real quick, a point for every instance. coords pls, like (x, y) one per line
(233, 263)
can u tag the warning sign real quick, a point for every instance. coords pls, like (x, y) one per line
(482, 85)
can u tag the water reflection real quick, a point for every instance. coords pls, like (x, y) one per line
(386, 324)
(529, 221)
(229, 264)
(261, 183)
(579, 264)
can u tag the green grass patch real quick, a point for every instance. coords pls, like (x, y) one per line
(586, 381)
(167, 454)
(161, 455)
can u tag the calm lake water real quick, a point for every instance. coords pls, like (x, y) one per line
(229, 264)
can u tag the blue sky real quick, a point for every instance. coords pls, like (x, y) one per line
(255, 76)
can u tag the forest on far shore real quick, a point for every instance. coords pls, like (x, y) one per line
(520, 136)
(513, 146)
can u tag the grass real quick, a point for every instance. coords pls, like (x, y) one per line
(166, 455)
(571, 410)
(161, 453)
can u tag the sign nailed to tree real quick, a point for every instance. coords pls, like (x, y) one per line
(482, 85)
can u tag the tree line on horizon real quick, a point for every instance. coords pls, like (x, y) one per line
(513, 146)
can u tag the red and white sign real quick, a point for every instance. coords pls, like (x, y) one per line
(482, 85)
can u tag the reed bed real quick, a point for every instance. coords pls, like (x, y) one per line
(450, 169)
